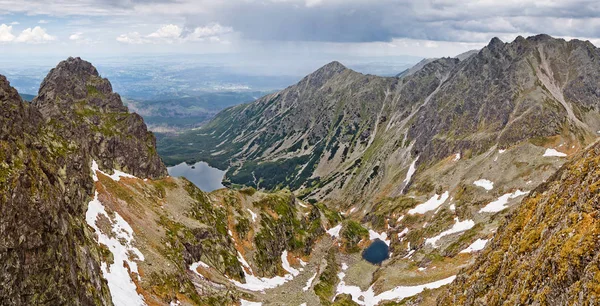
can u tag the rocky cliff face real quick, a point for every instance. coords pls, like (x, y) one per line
(47, 253)
(546, 252)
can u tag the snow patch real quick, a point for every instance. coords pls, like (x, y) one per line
(478, 245)
(309, 282)
(252, 214)
(194, 267)
(459, 226)
(457, 157)
(411, 171)
(368, 298)
(248, 303)
(485, 184)
(122, 288)
(403, 232)
(431, 204)
(335, 231)
(116, 176)
(500, 204)
(254, 283)
(381, 236)
(286, 264)
(554, 153)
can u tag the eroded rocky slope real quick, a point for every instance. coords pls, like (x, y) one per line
(545, 253)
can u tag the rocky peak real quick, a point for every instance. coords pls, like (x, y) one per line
(325, 73)
(87, 110)
(7, 92)
(495, 41)
(74, 80)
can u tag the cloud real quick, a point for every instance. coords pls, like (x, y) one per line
(15, 23)
(211, 31)
(36, 35)
(43, 21)
(76, 36)
(169, 31)
(172, 33)
(6, 33)
(323, 21)
(132, 38)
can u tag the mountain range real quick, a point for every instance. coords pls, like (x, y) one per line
(478, 172)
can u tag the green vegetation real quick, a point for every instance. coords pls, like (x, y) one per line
(325, 288)
(352, 233)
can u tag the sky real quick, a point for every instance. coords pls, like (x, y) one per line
(282, 29)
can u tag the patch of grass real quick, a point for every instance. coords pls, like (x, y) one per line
(325, 288)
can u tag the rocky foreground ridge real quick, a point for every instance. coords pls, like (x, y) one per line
(48, 255)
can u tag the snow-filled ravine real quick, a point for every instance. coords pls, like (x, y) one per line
(122, 288)
(335, 231)
(368, 297)
(411, 171)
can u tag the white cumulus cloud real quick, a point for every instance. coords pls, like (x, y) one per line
(131, 38)
(36, 35)
(6, 33)
(210, 31)
(76, 36)
(169, 31)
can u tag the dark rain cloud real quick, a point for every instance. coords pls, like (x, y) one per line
(384, 20)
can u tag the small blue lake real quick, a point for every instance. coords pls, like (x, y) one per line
(377, 252)
(201, 174)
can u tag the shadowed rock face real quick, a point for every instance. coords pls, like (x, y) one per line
(74, 96)
(47, 254)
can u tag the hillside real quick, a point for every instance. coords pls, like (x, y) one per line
(546, 252)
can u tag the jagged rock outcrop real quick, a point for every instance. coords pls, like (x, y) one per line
(48, 256)
(546, 253)
(74, 96)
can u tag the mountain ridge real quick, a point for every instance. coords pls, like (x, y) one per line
(427, 109)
